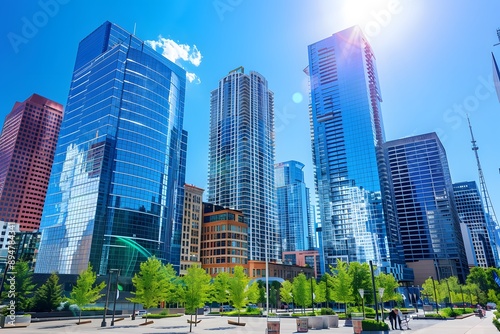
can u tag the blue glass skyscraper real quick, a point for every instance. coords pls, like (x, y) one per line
(294, 216)
(471, 212)
(356, 209)
(426, 208)
(117, 181)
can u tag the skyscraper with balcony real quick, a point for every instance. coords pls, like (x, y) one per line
(471, 212)
(427, 214)
(356, 209)
(294, 216)
(116, 188)
(241, 156)
(27, 146)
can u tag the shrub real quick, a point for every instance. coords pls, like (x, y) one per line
(160, 316)
(448, 312)
(327, 311)
(434, 316)
(374, 325)
(495, 321)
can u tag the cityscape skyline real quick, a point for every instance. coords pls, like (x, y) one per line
(448, 64)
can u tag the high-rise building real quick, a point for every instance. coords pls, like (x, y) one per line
(116, 188)
(471, 212)
(27, 146)
(192, 221)
(294, 217)
(241, 156)
(495, 57)
(428, 218)
(354, 194)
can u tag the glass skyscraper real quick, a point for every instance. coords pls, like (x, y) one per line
(241, 156)
(471, 212)
(427, 214)
(356, 209)
(294, 216)
(116, 186)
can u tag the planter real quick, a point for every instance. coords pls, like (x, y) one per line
(333, 321)
(14, 321)
(315, 322)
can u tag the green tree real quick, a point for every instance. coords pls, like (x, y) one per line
(196, 291)
(238, 289)
(253, 292)
(301, 291)
(478, 276)
(328, 279)
(48, 297)
(342, 285)
(220, 289)
(389, 283)
(436, 295)
(286, 292)
(22, 286)
(361, 279)
(151, 283)
(85, 292)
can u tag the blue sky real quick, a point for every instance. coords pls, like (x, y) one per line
(433, 57)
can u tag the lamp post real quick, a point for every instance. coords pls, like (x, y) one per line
(116, 297)
(374, 291)
(103, 322)
(435, 294)
(463, 301)
(381, 293)
(449, 293)
(362, 294)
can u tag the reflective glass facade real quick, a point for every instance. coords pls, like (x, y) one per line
(294, 216)
(423, 192)
(241, 156)
(116, 188)
(354, 195)
(471, 212)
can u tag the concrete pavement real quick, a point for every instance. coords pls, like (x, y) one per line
(217, 324)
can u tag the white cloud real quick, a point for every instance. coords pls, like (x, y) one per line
(175, 51)
(193, 77)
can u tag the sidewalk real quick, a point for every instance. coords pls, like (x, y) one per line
(216, 325)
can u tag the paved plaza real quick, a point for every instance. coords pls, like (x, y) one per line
(217, 324)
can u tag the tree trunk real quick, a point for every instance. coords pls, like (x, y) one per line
(196, 318)
(191, 323)
(80, 317)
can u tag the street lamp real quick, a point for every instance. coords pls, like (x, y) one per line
(116, 297)
(463, 301)
(103, 322)
(449, 293)
(362, 294)
(435, 293)
(312, 294)
(374, 293)
(381, 293)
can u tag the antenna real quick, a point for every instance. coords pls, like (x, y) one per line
(135, 24)
(491, 219)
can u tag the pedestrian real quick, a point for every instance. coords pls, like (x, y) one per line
(392, 318)
(399, 317)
